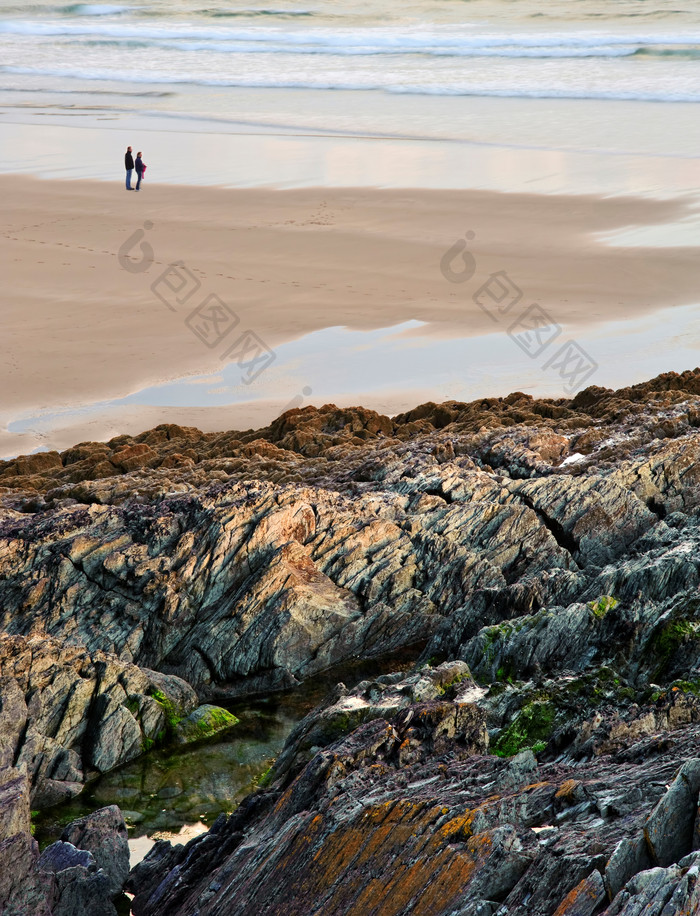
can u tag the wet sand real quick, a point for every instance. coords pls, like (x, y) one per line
(87, 317)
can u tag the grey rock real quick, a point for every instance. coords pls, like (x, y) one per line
(247, 562)
(60, 856)
(66, 713)
(103, 833)
(80, 891)
(673, 891)
(15, 815)
(476, 908)
(24, 890)
(585, 898)
(669, 828)
(631, 855)
(79, 888)
(145, 877)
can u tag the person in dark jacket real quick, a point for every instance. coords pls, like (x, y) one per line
(140, 169)
(129, 165)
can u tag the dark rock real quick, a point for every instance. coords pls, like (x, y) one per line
(631, 855)
(60, 856)
(103, 833)
(669, 827)
(78, 892)
(24, 890)
(548, 549)
(673, 891)
(145, 877)
(584, 899)
(79, 888)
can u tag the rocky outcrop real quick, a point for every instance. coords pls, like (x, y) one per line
(519, 435)
(541, 554)
(79, 886)
(277, 584)
(383, 698)
(408, 814)
(23, 888)
(103, 834)
(67, 714)
(673, 891)
(68, 878)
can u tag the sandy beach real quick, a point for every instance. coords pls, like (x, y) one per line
(88, 319)
(429, 644)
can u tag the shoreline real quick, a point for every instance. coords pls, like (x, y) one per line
(84, 328)
(493, 150)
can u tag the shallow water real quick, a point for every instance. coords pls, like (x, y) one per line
(176, 793)
(394, 369)
(569, 97)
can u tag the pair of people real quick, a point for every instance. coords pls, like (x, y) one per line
(130, 165)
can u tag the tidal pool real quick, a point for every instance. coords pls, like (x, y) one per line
(174, 793)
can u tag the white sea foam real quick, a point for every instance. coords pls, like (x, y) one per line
(377, 40)
(627, 53)
(370, 83)
(101, 9)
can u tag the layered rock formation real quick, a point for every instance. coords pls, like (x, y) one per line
(77, 876)
(68, 714)
(547, 550)
(409, 814)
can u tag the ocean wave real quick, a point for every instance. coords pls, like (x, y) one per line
(366, 43)
(94, 9)
(249, 47)
(148, 93)
(689, 53)
(241, 47)
(379, 39)
(473, 90)
(251, 13)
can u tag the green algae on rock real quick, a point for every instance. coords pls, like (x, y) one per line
(202, 723)
(562, 597)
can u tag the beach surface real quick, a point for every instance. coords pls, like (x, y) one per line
(90, 318)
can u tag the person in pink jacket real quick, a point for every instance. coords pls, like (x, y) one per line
(140, 169)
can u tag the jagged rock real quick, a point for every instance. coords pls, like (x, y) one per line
(145, 877)
(630, 857)
(103, 833)
(407, 775)
(78, 892)
(281, 582)
(14, 802)
(669, 828)
(673, 891)
(382, 698)
(583, 900)
(23, 888)
(62, 881)
(66, 713)
(79, 888)
(61, 855)
(550, 547)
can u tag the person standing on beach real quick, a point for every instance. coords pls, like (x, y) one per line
(129, 164)
(140, 169)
